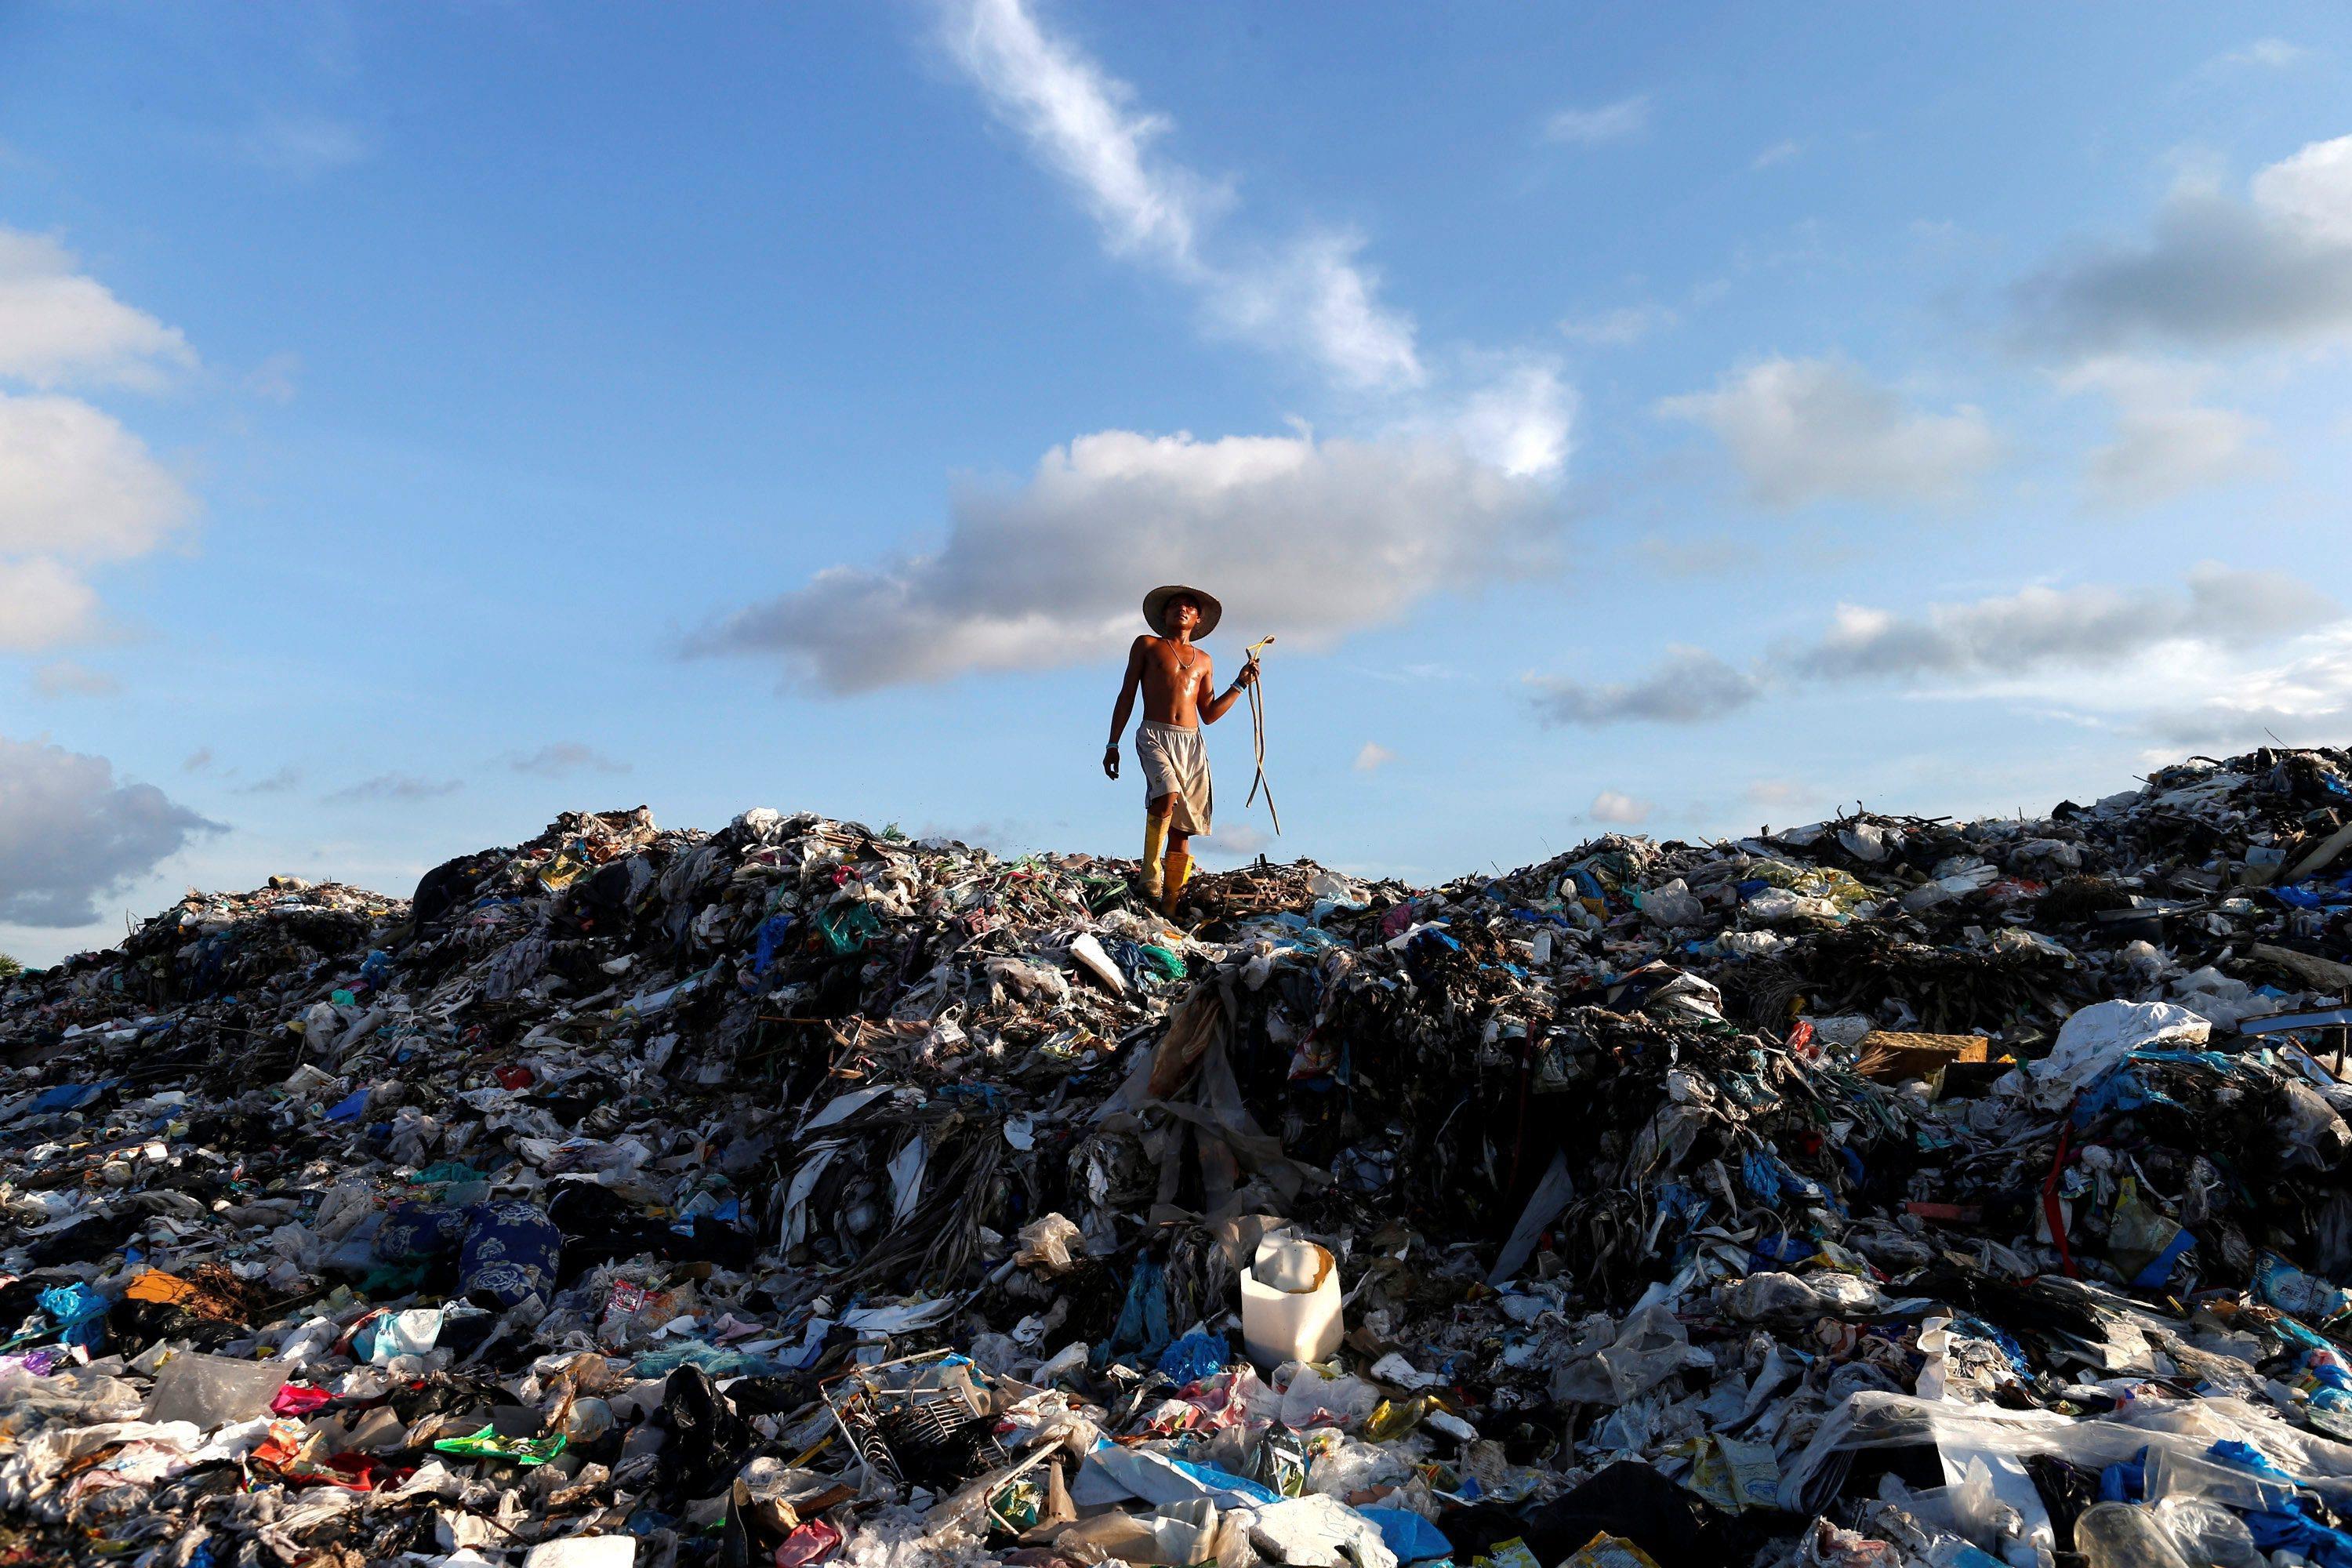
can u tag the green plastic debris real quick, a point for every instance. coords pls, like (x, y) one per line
(486, 1444)
(1170, 967)
(844, 928)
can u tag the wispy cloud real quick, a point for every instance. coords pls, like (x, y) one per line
(276, 379)
(1310, 294)
(1626, 324)
(393, 788)
(1619, 809)
(1989, 644)
(2167, 441)
(198, 761)
(63, 677)
(1599, 125)
(563, 759)
(303, 146)
(1709, 555)
(1805, 430)
(278, 782)
(1372, 756)
(1449, 486)
(1234, 840)
(1689, 686)
(1779, 152)
(2266, 54)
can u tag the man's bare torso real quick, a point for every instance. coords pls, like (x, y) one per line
(1175, 677)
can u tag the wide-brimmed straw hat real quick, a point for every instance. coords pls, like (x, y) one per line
(1155, 608)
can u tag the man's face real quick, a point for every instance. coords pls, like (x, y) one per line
(1184, 615)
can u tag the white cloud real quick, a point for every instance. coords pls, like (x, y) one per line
(2080, 627)
(1314, 298)
(43, 604)
(1626, 324)
(1372, 756)
(76, 485)
(303, 146)
(278, 378)
(1773, 795)
(284, 779)
(199, 759)
(69, 835)
(1619, 809)
(1627, 117)
(384, 786)
(2304, 700)
(1310, 295)
(63, 677)
(2166, 441)
(1707, 555)
(2269, 54)
(1317, 538)
(1234, 840)
(2137, 639)
(1779, 152)
(1689, 686)
(564, 758)
(1520, 422)
(2275, 267)
(1810, 430)
(59, 327)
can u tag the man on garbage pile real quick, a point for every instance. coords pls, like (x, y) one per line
(1180, 695)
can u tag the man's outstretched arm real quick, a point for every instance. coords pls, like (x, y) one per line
(1213, 704)
(1124, 707)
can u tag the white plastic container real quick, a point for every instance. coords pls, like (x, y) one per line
(1290, 1303)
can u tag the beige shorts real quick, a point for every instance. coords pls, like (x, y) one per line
(1175, 761)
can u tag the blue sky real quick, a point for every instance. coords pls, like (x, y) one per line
(418, 421)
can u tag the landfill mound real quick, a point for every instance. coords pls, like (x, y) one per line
(1885, 1191)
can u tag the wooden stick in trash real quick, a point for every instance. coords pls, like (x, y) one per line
(1257, 731)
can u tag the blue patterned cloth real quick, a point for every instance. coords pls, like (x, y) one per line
(509, 1252)
(414, 1232)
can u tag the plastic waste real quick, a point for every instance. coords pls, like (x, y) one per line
(2120, 1535)
(1290, 1302)
(213, 1391)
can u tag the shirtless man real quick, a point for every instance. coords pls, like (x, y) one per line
(1180, 695)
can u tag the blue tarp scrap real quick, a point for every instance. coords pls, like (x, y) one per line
(1142, 1330)
(769, 940)
(70, 1096)
(1413, 1538)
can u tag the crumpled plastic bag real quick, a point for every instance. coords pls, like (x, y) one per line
(1652, 1346)
(1316, 1531)
(1051, 1244)
(2098, 1038)
(1773, 1297)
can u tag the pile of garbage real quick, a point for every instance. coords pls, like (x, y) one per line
(1884, 1191)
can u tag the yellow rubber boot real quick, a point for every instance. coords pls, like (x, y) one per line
(1178, 872)
(1155, 844)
